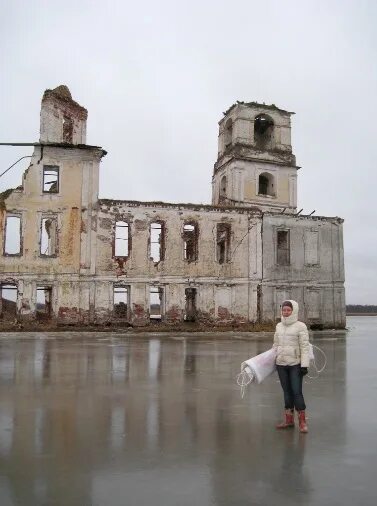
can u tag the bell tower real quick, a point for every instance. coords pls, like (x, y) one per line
(255, 164)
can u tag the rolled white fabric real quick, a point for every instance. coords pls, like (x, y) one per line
(260, 366)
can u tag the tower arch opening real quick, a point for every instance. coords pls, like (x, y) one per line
(263, 131)
(266, 184)
(223, 187)
(228, 132)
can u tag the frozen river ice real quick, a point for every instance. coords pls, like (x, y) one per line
(115, 419)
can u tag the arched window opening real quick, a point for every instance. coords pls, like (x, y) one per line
(157, 241)
(190, 241)
(13, 236)
(266, 184)
(263, 129)
(49, 235)
(223, 232)
(228, 134)
(121, 239)
(223, 187)
(283, 247)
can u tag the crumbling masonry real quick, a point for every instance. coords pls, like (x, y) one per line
(72, 258)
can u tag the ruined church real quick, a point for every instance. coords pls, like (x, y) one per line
(70, 257)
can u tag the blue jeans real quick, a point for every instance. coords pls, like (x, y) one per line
(291, 382)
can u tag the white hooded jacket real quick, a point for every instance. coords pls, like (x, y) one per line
(291, 340)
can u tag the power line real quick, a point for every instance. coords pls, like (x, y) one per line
(22, 157)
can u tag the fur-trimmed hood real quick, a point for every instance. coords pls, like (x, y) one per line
(293, 317)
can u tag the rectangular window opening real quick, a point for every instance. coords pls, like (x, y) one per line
(67, 130)
(121, 298)
(283, 247)
(190, 305)
(8, 302)
(190, 242)
(49, 227)
(223, 242)
(12, 243)
(157, 242)
(121, 239)
(50, 179)
(44, 302)
(155, 303)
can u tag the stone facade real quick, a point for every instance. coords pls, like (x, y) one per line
(73, 258)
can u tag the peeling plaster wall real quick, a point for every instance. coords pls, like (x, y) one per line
(242, 185)
(315, 275)
(31, 204)
(247, 287)
(174, 274)
(250, 287)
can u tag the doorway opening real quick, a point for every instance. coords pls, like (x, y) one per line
(44, 302)
(190, 305)
(155, 303)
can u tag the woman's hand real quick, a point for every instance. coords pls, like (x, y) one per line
(304, 370)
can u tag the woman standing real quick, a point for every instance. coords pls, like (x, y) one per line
(291, 342)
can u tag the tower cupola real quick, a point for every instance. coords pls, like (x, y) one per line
(255, 164)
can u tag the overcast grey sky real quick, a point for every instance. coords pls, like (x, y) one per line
(156, 76)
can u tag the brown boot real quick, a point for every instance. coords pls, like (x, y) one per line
(289, 420)
(302, 422)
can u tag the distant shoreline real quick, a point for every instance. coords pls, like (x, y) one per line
(361, 314)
